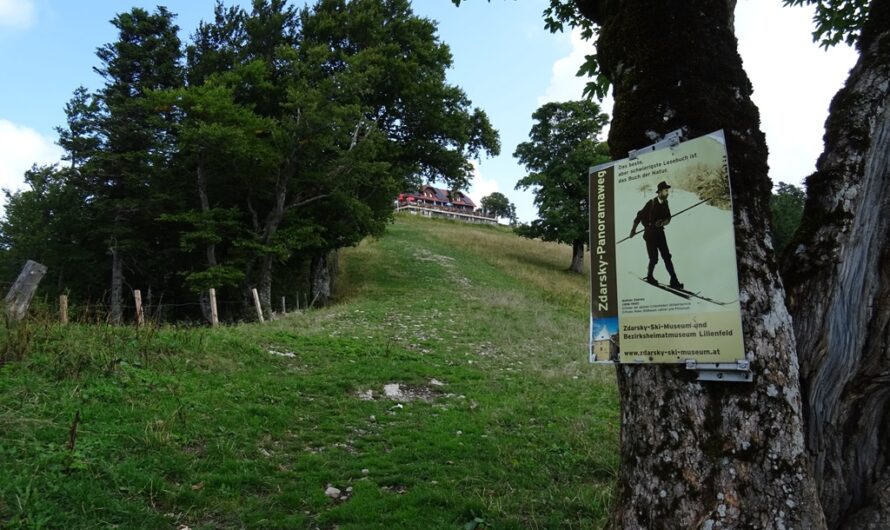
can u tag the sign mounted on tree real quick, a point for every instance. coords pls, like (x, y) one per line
(663, 265)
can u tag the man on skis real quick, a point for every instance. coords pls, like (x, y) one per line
(654, 215)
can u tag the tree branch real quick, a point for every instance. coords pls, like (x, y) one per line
(307, 201)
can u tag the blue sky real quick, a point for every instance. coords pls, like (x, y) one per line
(504, 59)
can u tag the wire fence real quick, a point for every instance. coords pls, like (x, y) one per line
(198, 312)
(205, 308)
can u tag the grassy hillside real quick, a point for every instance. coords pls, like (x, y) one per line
(500, 422)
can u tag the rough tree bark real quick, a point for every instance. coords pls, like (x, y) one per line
(265, 287)
(706, 455)
(322, 271)
(838, 279)
(577, 256)
(210, 249)
(273, 221)
(266, 233)
(116, 314)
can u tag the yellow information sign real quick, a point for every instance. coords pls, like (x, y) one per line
(663, 263)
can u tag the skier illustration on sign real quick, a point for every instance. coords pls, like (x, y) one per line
(654, 216)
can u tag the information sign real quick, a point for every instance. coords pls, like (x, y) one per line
(663, 262)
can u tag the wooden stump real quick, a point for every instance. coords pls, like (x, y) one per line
(22, 291)
(214, 314)
(256, 302)
(63, 308)
(140, 314)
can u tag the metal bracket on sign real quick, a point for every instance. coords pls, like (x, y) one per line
(670, 139)
(737, 372)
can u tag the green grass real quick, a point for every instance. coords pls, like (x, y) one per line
(207, 429)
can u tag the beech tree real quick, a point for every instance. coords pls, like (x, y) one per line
(298, 127)
(253, 56)
(218, 152)
(562, 147)
(498, 205)
(379, 58)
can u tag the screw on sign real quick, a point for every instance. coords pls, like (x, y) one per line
(19, 297)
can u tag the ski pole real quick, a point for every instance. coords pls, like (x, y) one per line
(672, 216)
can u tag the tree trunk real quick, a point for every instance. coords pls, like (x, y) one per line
(210, 248)
(265, 287)
(206, 310)
(270, 228)
(577, 256)
(706, 455)
(320, 280)
(117, 286)
(838, 277)
(247, 309)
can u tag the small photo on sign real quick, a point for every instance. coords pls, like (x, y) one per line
(604, 340)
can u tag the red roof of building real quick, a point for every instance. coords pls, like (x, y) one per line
(439, 195)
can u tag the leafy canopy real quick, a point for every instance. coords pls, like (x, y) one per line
(786, 206)
(562, 147)
(279, 132)
(498, 205)
(835, 21)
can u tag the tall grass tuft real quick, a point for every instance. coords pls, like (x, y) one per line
(17, 339)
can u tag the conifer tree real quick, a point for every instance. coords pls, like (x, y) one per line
(126, 177)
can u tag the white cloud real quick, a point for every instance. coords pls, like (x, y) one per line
(794, 81)
(21, 148)
(19, 14)
(565, 85)
(480, 186)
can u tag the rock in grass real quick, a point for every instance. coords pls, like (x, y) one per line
(393, 391)
(333, 492)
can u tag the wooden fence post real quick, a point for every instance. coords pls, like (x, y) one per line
(256, 302)
(283, 307)
(19, 297)
(63, 308)
(140, 315)
(214, 315)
